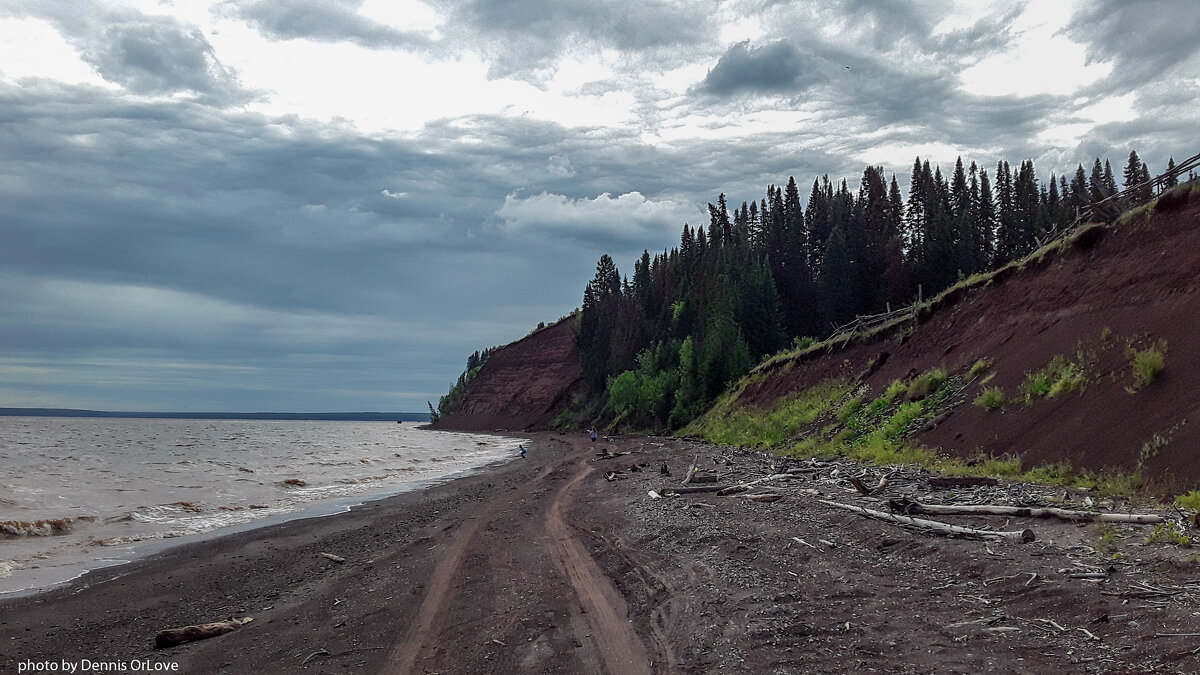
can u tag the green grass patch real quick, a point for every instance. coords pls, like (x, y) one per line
(881, 450)
(1058, 377)
(894, 389)
(1190, 501)
(1168, 533)
(991, 398)
(979, 367)
(1108, 538)
(727, 424)
(926, 383)
(1147, 363)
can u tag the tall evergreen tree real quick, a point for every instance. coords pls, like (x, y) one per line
(835, 284)
(1007, 230)
(1097, 188)
(1171, 180)
(1132, 176)
(601, 303)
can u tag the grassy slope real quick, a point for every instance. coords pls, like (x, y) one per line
(841, 415)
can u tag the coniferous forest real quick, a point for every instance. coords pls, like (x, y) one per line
(781, 272)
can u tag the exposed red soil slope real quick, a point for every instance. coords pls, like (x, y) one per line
(1128, 285)
(522, 385)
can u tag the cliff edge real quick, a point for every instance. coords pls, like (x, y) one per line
(522, 386)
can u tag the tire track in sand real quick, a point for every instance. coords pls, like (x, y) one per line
(439, 593)
(605, 621)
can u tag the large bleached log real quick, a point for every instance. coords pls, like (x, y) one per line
(690, 489)
(765, 498)
(173, 636)
(961, 481)
(742, 487)
(691, 471)
(910, 507)
(1023, 536)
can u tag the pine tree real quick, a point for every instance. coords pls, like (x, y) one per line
(1007, 236)
(1171, 180)
(835, 284)
(960, 200)
(601, 303)
(1096, 185)
(985, 223)
(1132, 176)
(1081, 195)
(817, 220)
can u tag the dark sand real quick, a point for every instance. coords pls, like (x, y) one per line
(543, 566)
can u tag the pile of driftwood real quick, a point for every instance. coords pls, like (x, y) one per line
(900, 511)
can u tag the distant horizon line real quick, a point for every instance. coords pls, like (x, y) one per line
(361, 416)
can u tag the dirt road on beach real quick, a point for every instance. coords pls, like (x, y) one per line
(595, 612)
(542, 565)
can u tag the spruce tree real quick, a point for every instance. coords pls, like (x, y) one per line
(1132, 176)
(835, 283)
(1171, 180)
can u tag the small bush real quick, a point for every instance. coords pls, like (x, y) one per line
(1189, 501)
(847, 411)
(895, 389)
(1109, 542)
(1147, 363)
(980, 366)
(926, 383)
(991, 398)
(1168, 533)
(1058, 377)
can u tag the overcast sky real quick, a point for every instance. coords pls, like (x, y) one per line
(316, 205)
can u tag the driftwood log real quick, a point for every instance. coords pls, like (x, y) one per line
(765, 498)
(691, 489)
(691, 471)
(961, 481)
(742, 487)
(1023, 536)
(869, 491)
(910, 507)
(176, 636)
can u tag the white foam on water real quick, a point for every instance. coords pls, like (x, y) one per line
(117, 488)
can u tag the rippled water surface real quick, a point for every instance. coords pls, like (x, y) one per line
(78, 493)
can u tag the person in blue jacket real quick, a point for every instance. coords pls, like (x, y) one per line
(522, 451)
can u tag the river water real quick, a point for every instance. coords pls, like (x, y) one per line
(82, 493)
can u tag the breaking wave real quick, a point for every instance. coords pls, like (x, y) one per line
(42, 528)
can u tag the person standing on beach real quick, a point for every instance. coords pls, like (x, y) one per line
(593, 433)
(522, 451)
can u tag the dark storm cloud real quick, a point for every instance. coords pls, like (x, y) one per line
(181, 235)
(148, 55)
(157, 57)
(776, 68)
(521, 37)
(321, 21)
(174, 246)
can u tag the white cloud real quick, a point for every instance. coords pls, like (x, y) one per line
(1040, 59)
(629, 216)
(33, 48)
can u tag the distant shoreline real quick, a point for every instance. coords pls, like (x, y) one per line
(285, 416)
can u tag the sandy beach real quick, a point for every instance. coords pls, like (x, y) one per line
(543, 566)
